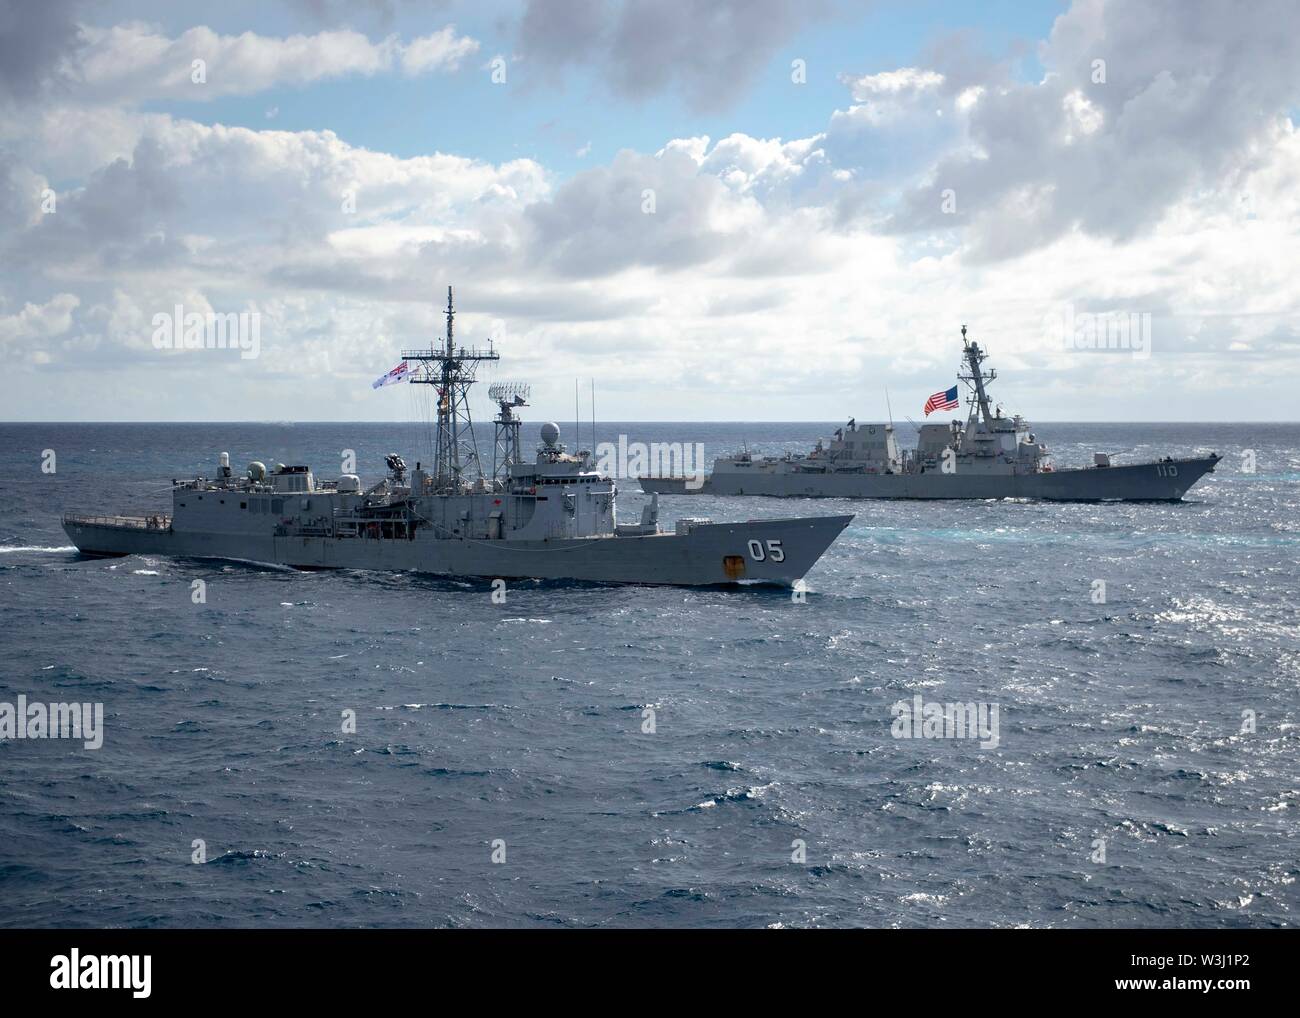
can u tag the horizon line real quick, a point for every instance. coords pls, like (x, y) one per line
(539, 421)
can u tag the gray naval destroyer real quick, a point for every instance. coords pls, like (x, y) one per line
(990, 457)
(549, 518)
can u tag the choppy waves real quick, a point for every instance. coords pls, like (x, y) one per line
(369, 749)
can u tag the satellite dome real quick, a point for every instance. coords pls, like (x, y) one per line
(550, 433)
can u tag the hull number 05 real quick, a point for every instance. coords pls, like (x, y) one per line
(774, 551)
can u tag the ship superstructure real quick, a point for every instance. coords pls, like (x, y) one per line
(551, 516)
(990, 456)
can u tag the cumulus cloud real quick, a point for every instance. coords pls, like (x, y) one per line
(763, 165)
(133, 62)
(35, 39)
(708, 51)
(639, 210)
(45, 52)
(905, 80)
(27, 331)
(216, 199)
(687, 205)
(442, 51)
(21, 191)
(890, 95)
(1141, 104)
(752, 269)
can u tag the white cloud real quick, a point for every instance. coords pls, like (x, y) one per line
(904, 81)
(968, 97)
(28, 331)
(759, 287)
(709, 52)
(888, 97)
(134, 62)
(1084, 117)
(746, 163)
(442, 51)
(1141, 107)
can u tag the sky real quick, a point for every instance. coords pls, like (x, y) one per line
(713, 209)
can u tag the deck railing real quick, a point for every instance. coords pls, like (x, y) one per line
(156, 522)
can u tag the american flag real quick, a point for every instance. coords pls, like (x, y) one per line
(946, 400)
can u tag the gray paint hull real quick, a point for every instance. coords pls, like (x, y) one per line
(709, 554)
(1165, 481)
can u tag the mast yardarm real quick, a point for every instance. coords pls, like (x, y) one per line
(451, 370)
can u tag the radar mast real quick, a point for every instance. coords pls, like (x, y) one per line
(451, 371)
(509, 397)
(974, 357)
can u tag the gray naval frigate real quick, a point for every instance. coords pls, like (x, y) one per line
(990, 457)
(553, 517)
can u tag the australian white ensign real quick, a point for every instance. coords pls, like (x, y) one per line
(75, 971)
(397, 374)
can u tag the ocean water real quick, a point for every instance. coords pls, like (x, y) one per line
(1123, 790)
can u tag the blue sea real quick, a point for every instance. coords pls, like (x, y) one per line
(637, 756)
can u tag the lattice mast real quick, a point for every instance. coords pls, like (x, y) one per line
(451, 371)
(509, 397)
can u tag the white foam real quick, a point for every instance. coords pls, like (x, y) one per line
(36, 547)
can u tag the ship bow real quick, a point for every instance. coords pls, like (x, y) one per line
(765, 551)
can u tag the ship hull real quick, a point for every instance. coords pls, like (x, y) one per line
(716, 553)
(1164, 481)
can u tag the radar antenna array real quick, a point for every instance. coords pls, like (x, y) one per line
(509, 396)
(509, 393)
